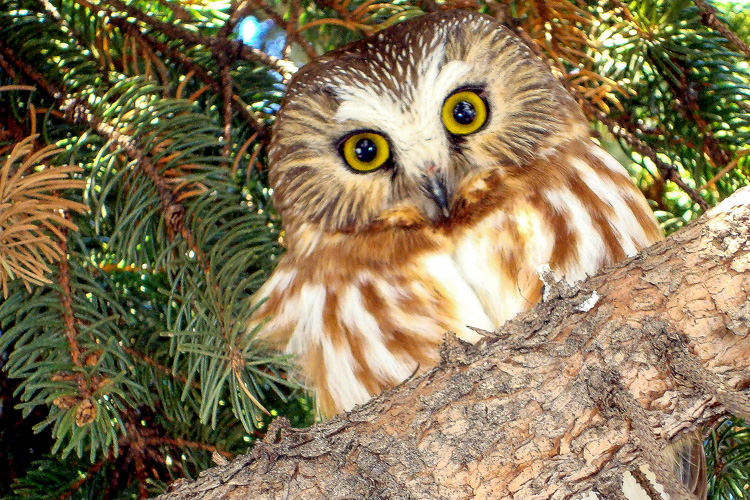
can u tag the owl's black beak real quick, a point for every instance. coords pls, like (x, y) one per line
(435, 187)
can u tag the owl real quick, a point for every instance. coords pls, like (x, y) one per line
(422, 175)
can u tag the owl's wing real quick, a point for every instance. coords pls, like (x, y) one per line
(687, 459)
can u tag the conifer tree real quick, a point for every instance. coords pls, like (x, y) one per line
(136, 221)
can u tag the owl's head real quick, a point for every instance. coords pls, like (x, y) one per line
(391, 129)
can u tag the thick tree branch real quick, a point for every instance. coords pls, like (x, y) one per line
(563, 400)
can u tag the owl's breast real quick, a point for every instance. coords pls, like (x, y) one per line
(360, 312)
(576, 211)
(495, 263)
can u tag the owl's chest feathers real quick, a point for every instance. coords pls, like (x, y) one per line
(359, 327)
(478, 275)
(362, 310)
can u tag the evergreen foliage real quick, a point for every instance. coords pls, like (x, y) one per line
(135, 219)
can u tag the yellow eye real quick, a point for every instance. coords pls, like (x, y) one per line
(365, 151)
(464, 112)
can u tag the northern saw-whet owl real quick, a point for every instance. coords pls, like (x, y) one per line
(422, 175)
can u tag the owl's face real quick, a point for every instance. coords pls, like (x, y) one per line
(396, 128)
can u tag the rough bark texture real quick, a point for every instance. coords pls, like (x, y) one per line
(593, 382)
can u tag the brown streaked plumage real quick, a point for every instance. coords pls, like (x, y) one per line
(384, 256)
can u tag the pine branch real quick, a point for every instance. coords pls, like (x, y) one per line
(66, 297)
(217, 46)
(727, 452)
(710, 18)
(687, 98)
(79, 112)
(52, 12)
(190, 66)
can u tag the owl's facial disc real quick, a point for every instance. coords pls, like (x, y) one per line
(400, 128)
(464, 112)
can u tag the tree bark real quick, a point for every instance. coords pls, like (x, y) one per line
(560, 403)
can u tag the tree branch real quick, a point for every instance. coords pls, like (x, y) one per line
(233, 48)
(563, 400)
(709, 18)
(180, 58)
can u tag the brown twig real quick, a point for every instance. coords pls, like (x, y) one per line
(159, 367)
(725, 170)
(66, 296)
(292, 26)
(151, 54)
(191, 66)
(628, 15)
(226, 93)
(241, 152)
(710, 19)
(183, 443)
(231, 48)
(225, 72)
(251, 162)
(8, 68)
(177, 9)
(338, 7)
(75, 486)
(238, 12)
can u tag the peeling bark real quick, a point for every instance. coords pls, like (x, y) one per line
(560, 403)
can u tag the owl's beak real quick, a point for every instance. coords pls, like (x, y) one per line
(435, 187)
